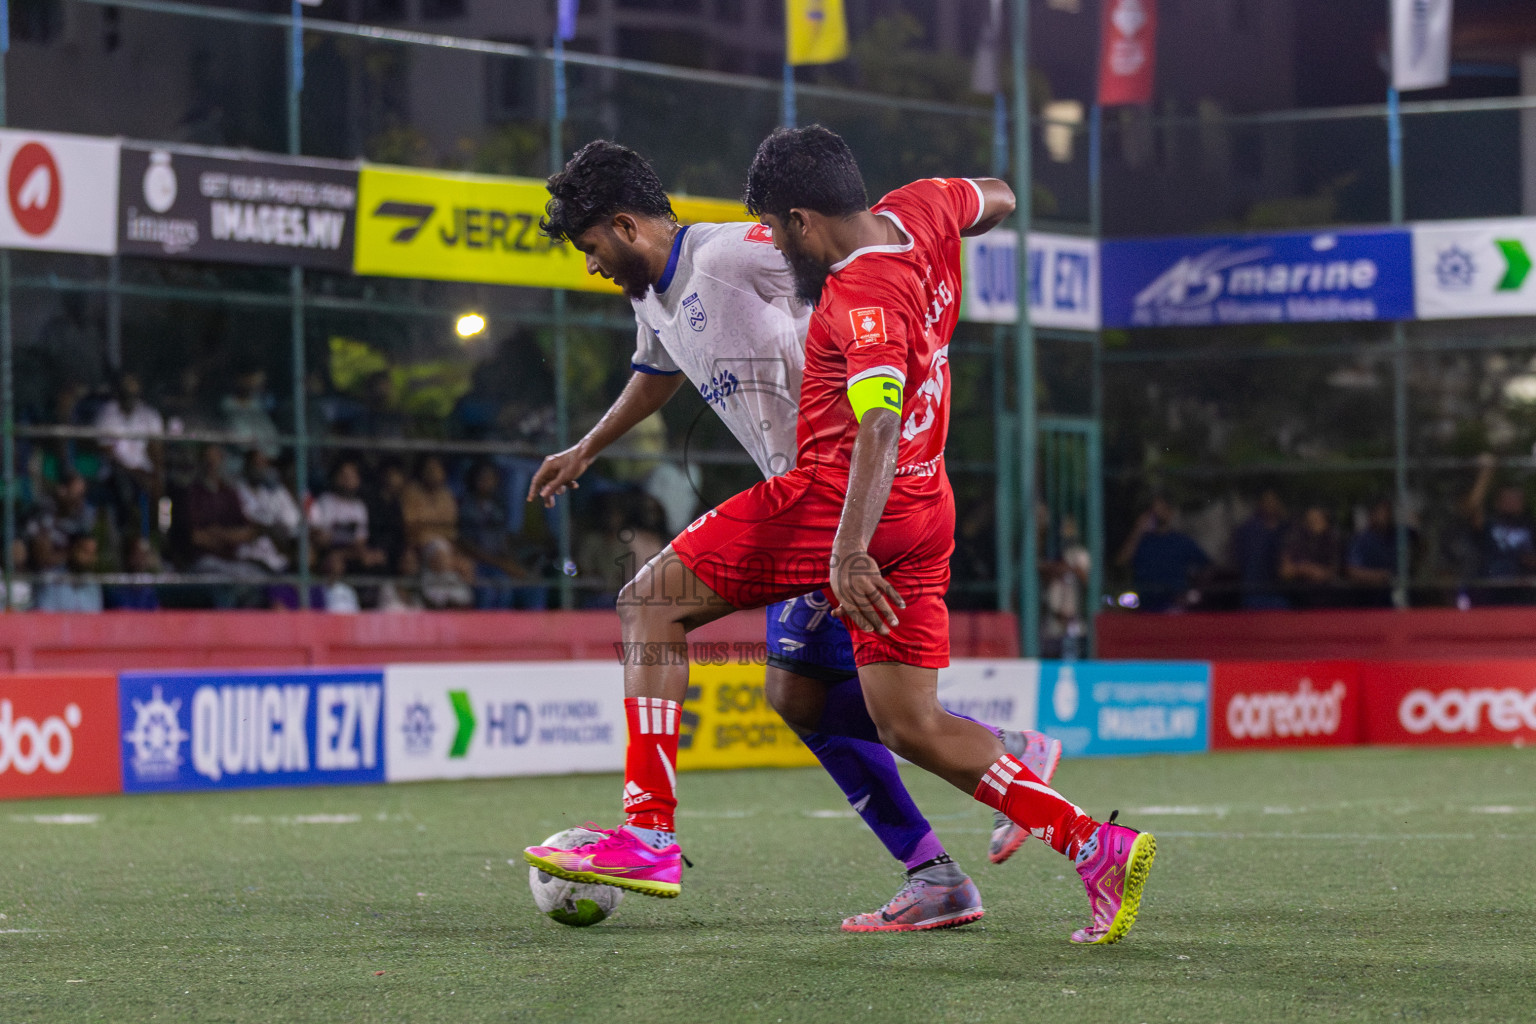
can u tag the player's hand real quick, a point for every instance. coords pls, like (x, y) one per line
(558, 474)
(865, 599)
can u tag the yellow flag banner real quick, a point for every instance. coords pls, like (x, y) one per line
(442, 226)
(727, 722)
(816, 32)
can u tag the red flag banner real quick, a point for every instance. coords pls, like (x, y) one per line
(1128, 57)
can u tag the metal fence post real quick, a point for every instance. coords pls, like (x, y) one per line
(1024, 343)
(1399, 363)
(296, 316)
(562, 340)
(7, 351)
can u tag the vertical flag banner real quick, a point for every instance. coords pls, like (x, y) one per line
(815, 31)
(1128, 52)
(1421, 43)
(565, 19)
(986, 72)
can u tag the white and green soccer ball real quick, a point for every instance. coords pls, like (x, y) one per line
(577, 904)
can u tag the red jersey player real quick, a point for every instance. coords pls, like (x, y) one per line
(867, 512)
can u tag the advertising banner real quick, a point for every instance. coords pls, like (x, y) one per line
(243, 730)
(727, 722)
(1279, 278)
(1450, 702)
(1108, 707)
(59, 735)
(1004, 693)
(61, 192)
(1285, 703)
(1063, 280)
(490, 720)
(1473, 268)
(204, 207)
(470, 227)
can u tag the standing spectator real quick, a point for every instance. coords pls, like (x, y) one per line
(141, 597)
(428, 506)
(186, 411)
(1163, 560)
(1506, 538)
(208, 526)
(1066, 580)
(483, 537)
(271, 509)
(1371, 562)
(135, 467)
(247, 412)
(1311, 560)
(61, 594)
(386, 523)
(1256, 554)
(338, 521)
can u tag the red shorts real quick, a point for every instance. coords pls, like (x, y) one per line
(774, 541)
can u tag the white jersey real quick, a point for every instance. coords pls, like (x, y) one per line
(725, 314)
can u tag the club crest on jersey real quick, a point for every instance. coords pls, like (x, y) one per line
(868, 326)
(760, 233)
(693, 309)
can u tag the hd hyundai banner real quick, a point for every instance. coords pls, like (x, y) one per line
(60, 192)
(236, 210)
(249, 729)
(1279, 278)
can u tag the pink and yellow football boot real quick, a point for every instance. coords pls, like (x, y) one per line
(1040, 754)
(622, 859)
(1114, 864)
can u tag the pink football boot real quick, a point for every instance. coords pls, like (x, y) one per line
(1114, 864)
(620, 860)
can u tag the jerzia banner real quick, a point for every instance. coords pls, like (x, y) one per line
(236, 210)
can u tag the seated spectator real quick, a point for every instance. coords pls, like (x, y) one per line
(340, 596)
(21, 590)
(1505, 538)
(379, 416)
(484, 538)
(143, 560)
(442, 583)
(338, 521)
(428, 506)
(208, 527)
(64, 512)
(271, 509)
(134, 474)
(1310, 560)
(247, 412)
(1255, 554)
(1371, 562)
(386, 523)
(1162, 559)
(1065, 582)
(61, 594)
(403, 596)
(604, 559)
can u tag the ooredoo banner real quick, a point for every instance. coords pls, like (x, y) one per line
(1450, 702)
(1285, 703)
(493, 720)
(59, 735)
(244, 730)
(60, 192)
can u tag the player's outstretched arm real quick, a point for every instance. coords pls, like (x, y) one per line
(866, 600)
(643, 395)
(997, 203)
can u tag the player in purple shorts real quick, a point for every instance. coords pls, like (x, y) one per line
(716, 303)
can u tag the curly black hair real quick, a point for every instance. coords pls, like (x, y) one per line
(808, 168)
(601, 180)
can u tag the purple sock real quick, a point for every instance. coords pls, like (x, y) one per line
(845, 714)
(866, 773)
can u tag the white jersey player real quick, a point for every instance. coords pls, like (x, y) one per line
(716, 304)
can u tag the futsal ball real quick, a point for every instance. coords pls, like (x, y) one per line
(577, 904)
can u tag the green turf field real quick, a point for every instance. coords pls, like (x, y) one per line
(1353, 885)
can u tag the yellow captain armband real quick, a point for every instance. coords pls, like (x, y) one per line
(874, 393)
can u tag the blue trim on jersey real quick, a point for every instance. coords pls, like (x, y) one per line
(642, 368)
(804, 630)
(677, 250)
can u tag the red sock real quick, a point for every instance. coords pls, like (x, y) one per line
(650, 762)
(1010, 787)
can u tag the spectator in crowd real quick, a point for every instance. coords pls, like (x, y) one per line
(135, 465)
(379, 415)
(271, 509)
(1371, 561)
(21, 590)
(340, 596)
(1311, 560)
(1163, 559)
(428, 506)
(442, 581)
(1506, 538)
(185, 411)
(247, 412)
(404, 595)
(484, 539)
(141, 559)
(338, 521)
(386, 523)
(208, 527)
(1065, 579)
(62, 456)
(64, 512)
(1255, 553)
(59, 593)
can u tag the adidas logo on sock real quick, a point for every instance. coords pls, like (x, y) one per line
(633, 794)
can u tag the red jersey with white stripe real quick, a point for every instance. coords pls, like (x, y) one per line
(889, 311)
